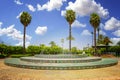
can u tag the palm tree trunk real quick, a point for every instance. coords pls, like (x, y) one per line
(24, 40)
(98, 36)
(95, 40)
(70, 38)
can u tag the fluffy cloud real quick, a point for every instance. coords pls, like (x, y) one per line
(86, 7)
(31, 8)
(41, 30)
(117, 33)
(115, 40)
(78, 24)
(86, 33)
(63, 12)
(18, 2)
(19, 15)
(1, 24)
(21, 44)
(112, 24)
(51, 5)
(102, 32)
(13, 33)
(39, 7)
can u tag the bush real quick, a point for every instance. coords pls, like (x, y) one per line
(19, 55)
(3, 56)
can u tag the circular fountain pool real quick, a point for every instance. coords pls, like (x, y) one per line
(60, 62)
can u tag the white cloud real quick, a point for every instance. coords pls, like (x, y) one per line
(13, 33)
(102, 26)
(31, 8)
(102, 32)
(1, 24)
(115, 40)
(112, 24)
(39, 7)
(63, 12)
(51, 5)
(18, 2)
(21, 43)
(78, 24)
(41, 30)
(117, 33)
(86, 32)
(19, 15)
(86, 7)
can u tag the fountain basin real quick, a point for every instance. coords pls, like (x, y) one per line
(16, 62)
(60, 60)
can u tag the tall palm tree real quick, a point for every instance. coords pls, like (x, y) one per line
(95, 22)
(98, 30)
(25, 19)
(92, 38)
(70, 16)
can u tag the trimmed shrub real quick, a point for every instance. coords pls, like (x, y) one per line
(19, 55)
(3, 56)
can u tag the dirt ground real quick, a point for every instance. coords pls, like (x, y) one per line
(13, 73)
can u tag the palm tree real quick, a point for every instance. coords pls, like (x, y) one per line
(70, 16)
(101, 39)
(98, 30)
(95, 22)
(62, 41)
(25, 19)
(107, 41)
(92, 38)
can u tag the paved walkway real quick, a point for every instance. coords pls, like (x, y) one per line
(13, 73)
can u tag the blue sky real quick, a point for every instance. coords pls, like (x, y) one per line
(48, 22)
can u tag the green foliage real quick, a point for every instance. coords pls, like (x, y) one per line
(33, 49)
(118, 43)
(52, 43)
(53, 50)
(102, 50)
(89, 51)
(25, 18)
(70, 16)
(114, 49)
(19, 55)
(3, 56)
(75, 50)
(5, 49)
(94, 20)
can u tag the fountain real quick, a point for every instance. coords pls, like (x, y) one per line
(60, 62)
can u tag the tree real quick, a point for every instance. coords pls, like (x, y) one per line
(98, 30)
(101, 39)
(62, 41)
(95, 22)
(107, 42)
(70, 16)
(118, 43)
(52, 43)
(92, 38)
(25, 19)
